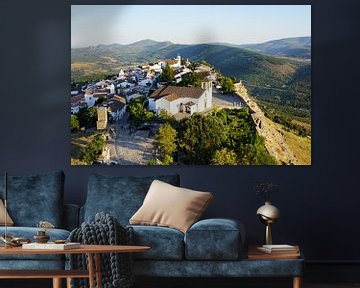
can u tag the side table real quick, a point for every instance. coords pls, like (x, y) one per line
(255, 255)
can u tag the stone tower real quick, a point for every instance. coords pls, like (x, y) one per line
(207, 85)
(179, 60)
(102, 121)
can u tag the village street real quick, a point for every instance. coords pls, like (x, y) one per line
(130, 149)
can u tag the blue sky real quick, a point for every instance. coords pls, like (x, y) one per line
(187, 24)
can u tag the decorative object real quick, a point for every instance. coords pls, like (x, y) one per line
(170, 206)
(41, 236)
(11, 241)
(268, 213)
(5, 215)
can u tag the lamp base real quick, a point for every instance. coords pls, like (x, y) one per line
(268, 237)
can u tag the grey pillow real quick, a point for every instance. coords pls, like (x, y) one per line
(120, 196)
(35, 198)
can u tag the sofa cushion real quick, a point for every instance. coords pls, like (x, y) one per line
(35, 198)
(9, 221)
(170, 206)
(120, 196)
(29, 232)
(165, 243)
(214, 239)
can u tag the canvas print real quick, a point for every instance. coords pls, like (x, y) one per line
(190, 85)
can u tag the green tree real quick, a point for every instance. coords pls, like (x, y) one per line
(168, 73)
(74, 123)
(152, 162)
(166, 142)
(138, 112)
(92, 151)
(87, 117)
(165, 116)
(227, 84)
(256, 154)
(193, 79)
(200, 137)
(224, 157)
(100, 100)
(167, 160)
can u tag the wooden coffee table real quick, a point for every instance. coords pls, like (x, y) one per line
(92, 251)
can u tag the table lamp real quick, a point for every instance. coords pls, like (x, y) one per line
(268, 214)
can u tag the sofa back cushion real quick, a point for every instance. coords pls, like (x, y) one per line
(120, 196)
(35, 198)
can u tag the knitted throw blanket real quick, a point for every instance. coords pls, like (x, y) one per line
(116, 268)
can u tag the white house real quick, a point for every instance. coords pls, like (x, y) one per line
(117, 107)
(175, 99)
(156, 67)
(90, 99)
(77, 102)
(181, 72)
(174, 63)
(111, 88)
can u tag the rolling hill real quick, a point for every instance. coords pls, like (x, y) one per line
(297, 47)
(267, 77)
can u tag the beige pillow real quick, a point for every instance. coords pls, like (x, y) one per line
(170, 206)
(9, 221)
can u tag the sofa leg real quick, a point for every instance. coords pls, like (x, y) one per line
(57, 283)
(297, 282)
(68, 282)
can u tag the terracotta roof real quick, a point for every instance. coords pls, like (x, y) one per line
(116, 103)
(171, 93)
(170, 61)
(77, 98)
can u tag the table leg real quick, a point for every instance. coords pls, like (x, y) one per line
(297, 282)
(68, 282)
(57, 283)
(91, 270)
(98, 270)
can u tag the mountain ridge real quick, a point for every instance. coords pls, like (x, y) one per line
(262, 71)
(299, 47)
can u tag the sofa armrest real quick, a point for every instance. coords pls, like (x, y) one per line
(215, 239)
(71, 216)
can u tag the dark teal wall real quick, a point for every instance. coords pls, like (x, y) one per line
(318, 204)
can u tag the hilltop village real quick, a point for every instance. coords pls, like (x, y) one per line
(112, 95)
(134, 117)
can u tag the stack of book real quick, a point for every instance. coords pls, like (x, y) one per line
(273, 252)
(51, 246)
(279, 249)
